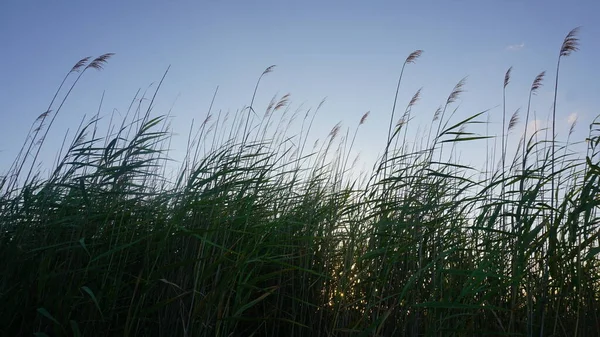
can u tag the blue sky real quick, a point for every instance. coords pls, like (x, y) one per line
(348, 51)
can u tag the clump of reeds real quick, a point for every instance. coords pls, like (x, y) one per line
(258, 235)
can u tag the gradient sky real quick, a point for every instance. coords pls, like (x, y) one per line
(348, 51)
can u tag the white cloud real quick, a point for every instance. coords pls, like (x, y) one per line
(533, 126)
(515, 47)
(572, 118)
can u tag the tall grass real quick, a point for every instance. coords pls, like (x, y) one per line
(257, 234)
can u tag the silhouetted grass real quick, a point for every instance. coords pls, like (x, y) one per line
(259, 235)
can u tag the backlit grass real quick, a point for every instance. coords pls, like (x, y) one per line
(260, 233)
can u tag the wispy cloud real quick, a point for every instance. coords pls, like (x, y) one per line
(516, 47)
(535, 126)
(572, 118)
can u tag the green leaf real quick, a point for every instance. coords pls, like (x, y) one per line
(75, 328)
(45, 313)
(593, 252)
(255, 301)
(82, 243)
(94, 299)
(464, 139)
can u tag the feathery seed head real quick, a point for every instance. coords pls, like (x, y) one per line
(268, 70)
(415, 98)
(207, 119)
(513, 120)
(458, 89)
(336, 129)
(572, 128)
(537, 83)
(282, 102)
(507, 77)
(400, 123)
(321, 104)
(271, 105)
(81, 138)
(413, 56)
(570, 43)
(80, 64)
(43, 115)
(436, 115)
(99, 62)
(363, 119)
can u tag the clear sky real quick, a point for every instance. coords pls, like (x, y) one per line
(348, 51)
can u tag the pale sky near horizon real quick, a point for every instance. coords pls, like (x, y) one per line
(350, 52)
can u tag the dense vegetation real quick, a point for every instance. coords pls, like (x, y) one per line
(259, 233)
